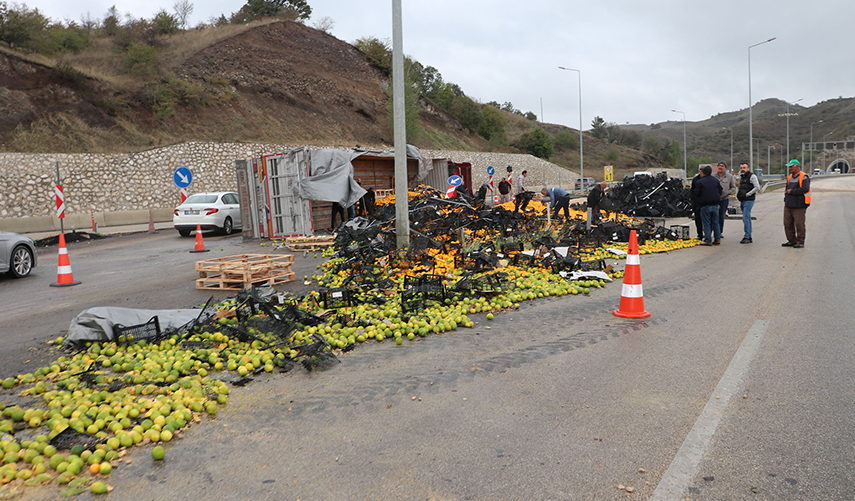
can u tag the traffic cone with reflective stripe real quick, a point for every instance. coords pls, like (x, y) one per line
(200, 246)
(631, 296)
(151, 228)
(64, 278)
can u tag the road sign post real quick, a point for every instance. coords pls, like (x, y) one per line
(182, 177)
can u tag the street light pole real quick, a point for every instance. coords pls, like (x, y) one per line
(788, 124)
(581, 148)
(685, 146)
(731, 144)
(750, 105)
(811, 144)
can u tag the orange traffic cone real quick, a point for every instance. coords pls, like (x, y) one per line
(200, 246)
(64, 278)
(631, 296)
(151, 224)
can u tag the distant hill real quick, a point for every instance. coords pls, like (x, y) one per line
(712, 137)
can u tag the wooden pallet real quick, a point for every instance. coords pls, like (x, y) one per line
(240, 272)
(309, 243)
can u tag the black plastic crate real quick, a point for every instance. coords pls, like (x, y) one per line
(682, 231)
(149, 332)
(335, 298)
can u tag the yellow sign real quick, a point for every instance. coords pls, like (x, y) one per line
(608, 173)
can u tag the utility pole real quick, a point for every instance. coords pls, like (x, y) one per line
(402, 214)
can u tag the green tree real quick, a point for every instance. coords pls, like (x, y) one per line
(536, 143)
(110, 25)
(599, 128)
(566, 140)
(652, 146)
(468, 113)
(377, 51)
(72, 39)
(164, 23)
(611, 154)
(23, 28)
(141, 61)
(531, 116)
(493, 123)
(252, 9)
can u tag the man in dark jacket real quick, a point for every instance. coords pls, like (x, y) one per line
(707, 192)
(696, 209)
(797, 198)
(594, 198)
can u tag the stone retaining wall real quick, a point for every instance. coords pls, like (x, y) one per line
(126, 188)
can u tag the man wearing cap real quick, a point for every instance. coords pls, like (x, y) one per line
(797, 198)
(749, 185)
(728, 188)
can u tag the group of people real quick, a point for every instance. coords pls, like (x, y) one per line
(711, 195)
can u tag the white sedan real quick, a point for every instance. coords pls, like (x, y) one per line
(211, 211)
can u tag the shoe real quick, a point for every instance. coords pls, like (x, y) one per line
(788, 244)
(798, 246)
(745, 241)
(705, 243)
(716, 242)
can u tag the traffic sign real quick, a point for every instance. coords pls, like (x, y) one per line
(455, 180)
(182, 177)
(490, 170)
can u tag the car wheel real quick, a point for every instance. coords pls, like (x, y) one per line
(22, 262)
(184, 233)
(227, 226)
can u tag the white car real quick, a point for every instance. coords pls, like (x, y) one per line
(17, 254)
(211, 211)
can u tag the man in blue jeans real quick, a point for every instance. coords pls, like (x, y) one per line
(749, 185)
(728, 188)
(707, 192)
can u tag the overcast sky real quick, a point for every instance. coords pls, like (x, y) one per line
(638, 59)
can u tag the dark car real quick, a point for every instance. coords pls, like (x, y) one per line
(17, 254)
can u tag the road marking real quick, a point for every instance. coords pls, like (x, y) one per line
(683, 468)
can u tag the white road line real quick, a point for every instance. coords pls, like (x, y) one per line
(683, 468)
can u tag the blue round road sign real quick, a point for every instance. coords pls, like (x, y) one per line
(455, 180)
(490, 170)
(182, 177)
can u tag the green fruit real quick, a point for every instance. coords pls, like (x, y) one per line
(99, 488)
(158, 453)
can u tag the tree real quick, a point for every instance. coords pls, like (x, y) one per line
(88, 24)
(598, 128)
(271, 8)
(111, 21)
(412, 107)
(536, 143)
(164, 23)
(377, 51)
(493, 123)
(531, 116)
(182, 9)
(652, 146)
(467, 112)
(566, 140)
(324, 24)
(24, 28)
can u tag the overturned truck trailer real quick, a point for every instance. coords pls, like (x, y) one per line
(291, 193)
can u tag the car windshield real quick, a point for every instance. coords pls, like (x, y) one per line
(201, 199)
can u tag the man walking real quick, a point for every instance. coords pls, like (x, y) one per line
(559, 199)
(728, 188)
(707, 192)
(749, 185)
(594, 198)
(797, 199)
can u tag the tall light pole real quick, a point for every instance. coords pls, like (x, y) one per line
(402, 219)
(824, 149)
(787, 114)
(750, 105)
(581, 148)
(811, 144)
(685, 146)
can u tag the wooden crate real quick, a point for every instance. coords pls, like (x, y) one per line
(309, 243)
(378, 194)
(240, 272)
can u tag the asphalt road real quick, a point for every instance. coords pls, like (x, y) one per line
(739, 386)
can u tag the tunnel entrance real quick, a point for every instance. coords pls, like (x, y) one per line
(841, 165)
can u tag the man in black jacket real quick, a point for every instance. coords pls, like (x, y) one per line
(696, 209)
(594, 198)
(797, 199)
(707, 192)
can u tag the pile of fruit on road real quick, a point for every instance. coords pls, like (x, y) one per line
(72, 422)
